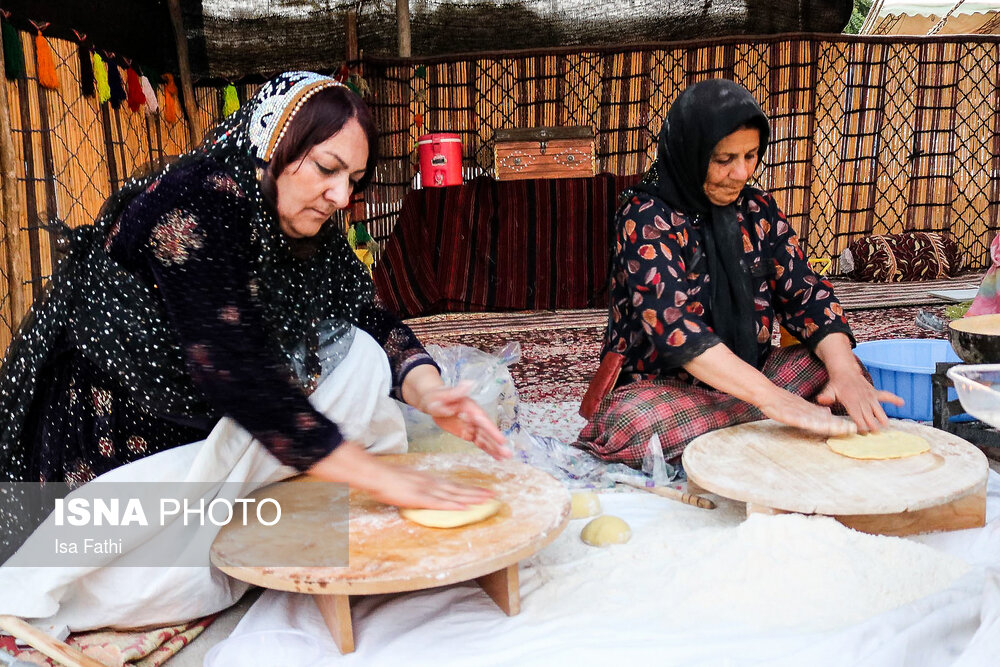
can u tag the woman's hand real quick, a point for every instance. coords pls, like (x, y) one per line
(862, 401)
(456, 413)
(453, 410)
(394, 484)
(785, 407)
(720, 368)
(849, 387)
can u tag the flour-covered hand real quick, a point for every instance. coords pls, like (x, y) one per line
(456, 413)
(395, 484)
(787, 408)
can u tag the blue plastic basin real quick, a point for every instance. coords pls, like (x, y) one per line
(904, 366)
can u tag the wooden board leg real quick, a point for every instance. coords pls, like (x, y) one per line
(504, 587)
(694, 489)
(753, 508)
(966, 512)
(61, 652)
(336, 611)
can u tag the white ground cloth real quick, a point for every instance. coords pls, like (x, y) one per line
(355, 396)
(623, 624)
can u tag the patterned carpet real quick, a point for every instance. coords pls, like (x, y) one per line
(559, 349)
(852, 295)
(855, 295)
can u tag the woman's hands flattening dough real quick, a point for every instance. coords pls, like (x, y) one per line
(720, 368)
(393, 484)
(849, 387)
(453, 410)
(785, 407)
(456, 413)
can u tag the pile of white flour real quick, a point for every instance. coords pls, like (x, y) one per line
(691, 567)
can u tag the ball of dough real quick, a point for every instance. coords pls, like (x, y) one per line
(605, 530)
(584, 504)
(452, 518)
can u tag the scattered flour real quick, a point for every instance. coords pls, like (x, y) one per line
(689, 568)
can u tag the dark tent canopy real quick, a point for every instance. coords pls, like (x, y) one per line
(230, 39)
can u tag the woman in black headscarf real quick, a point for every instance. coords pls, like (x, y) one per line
(703, 265)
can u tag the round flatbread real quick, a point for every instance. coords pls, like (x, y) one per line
(452, 518)
(886, 444)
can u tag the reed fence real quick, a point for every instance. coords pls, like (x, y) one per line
(869, 134)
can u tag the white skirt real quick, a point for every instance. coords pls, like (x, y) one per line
(355, 396)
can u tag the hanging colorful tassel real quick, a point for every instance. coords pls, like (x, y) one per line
(147, 91)
(13, 55)
(170, 99)
(358, 84)
(361, 233)
(86, 65)
(230, 100)
(47, 76)
(101, 78)
(135, 96)
(115, 83)
(153, 75)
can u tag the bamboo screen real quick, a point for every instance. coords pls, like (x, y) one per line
(869, 135)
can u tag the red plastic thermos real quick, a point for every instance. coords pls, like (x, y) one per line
(440, 159)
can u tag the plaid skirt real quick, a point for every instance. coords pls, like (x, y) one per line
(679, 412)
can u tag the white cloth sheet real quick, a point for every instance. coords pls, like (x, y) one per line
(460, 625)
(355, 395)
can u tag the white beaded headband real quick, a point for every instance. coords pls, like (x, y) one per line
(280, 100)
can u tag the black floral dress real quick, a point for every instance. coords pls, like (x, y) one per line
(660, 317)
(186, 238)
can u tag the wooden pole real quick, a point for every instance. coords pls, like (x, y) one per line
(11, 232)
(357, 208)
(187, 86)
(351, 35)
(403, 24)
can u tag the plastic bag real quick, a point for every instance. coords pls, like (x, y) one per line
(578, 469)
(573, 467)
(492, 387)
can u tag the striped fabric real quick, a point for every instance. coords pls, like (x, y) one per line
(500, 246)
(678, 412)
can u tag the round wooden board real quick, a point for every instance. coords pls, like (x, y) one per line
(389, 554)
(780, 467)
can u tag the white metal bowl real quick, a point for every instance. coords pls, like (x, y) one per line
(978, 388)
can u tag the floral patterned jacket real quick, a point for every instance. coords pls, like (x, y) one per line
(660, 313)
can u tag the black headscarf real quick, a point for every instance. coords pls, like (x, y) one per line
(700, 117)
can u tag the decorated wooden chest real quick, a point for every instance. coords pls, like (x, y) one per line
(544, 152)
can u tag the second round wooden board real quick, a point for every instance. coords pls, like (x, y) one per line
(389, 554)
(771, 465)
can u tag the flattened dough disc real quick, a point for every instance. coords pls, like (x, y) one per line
(452, 518)
(886, 444)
